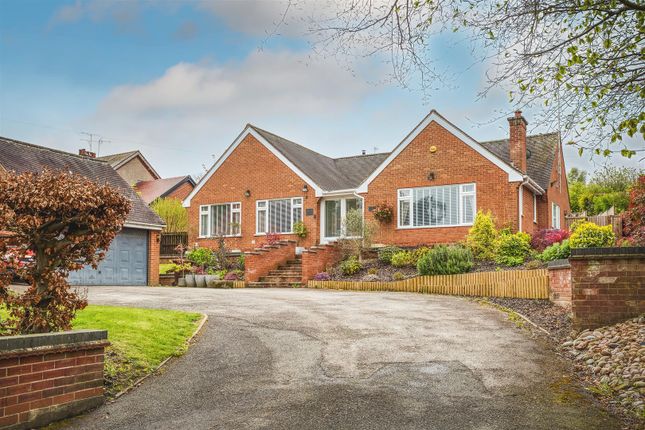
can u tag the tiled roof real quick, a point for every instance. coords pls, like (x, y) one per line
(329, 173)
(349, 172)
(23, 157)
(151, 190)
(116, 159)
(540, 153)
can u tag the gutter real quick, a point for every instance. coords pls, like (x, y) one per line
(143, 225)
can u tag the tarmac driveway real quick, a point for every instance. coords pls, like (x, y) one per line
(310, 359)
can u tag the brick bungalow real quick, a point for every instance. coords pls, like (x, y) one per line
(435, 181)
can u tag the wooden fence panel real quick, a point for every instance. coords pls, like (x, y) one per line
(615, 221)
(169, 242)
(523, 284)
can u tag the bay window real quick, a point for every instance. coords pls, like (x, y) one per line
(278, 215)
(222, 219)
(441, 206)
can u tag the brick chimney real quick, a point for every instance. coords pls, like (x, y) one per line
(86, 153)
(517, 141)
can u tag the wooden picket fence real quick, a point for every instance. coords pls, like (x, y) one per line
(523, 284)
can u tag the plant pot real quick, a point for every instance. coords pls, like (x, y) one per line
(190, 280)
(200, 281)
(181, 282)
(211, 279)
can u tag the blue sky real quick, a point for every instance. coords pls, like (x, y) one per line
(180, 79)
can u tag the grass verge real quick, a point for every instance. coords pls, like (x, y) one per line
(140, 339)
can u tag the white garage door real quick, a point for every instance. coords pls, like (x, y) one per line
(126, 262)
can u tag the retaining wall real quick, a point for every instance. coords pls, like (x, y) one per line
(261, 261)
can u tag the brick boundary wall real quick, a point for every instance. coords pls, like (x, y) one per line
(560, 282)
(261, 261)
(608, 285)
(48, 377)
(318, 259)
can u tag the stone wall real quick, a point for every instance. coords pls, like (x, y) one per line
(261, 261)
(48, 377)
(608, 285)
(560, 282)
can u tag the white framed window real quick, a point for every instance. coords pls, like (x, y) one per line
(277, 215)
(441, 206)
(222, 219)
(534, 208)
(555, 215)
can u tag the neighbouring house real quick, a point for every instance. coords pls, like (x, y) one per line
(435, 181)
(133, 257)
(138, 172)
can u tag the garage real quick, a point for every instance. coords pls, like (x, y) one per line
(125, 262)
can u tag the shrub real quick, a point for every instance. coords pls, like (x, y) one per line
(350, 266)
(635, 214)
(322, 276)
(512, 249)
(358, 233)
(556, 251)
(201, 256)
(241, 262)
(300, 229)
(401, 259)
(481, 237)
(533, 264)
(416, 254)
(385, 254)
(445, 260)
(590, 235)
(231, 276)
(372, 271)
(577, 223)
(547, 237)
(398, 276)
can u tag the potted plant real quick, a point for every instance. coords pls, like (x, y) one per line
(189, 278)
(300, 230)
(383, 213)
(211, 276)
(200, 278)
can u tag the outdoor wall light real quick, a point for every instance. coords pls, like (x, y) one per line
(305, 188)
(431, 176)
(247, 193)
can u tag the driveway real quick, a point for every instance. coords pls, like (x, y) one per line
(310, 359)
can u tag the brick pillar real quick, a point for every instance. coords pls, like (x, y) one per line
(154, 237)
(608, 285)
(560, 282)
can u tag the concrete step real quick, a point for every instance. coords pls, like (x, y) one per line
(285, 273)
(281, 279)
(272, 284)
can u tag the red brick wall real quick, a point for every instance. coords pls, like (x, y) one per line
(528, 226)
(454, 162)
(261, 261)
(557, 192)
(252, 167)
(560, 285)
(318, 258)
(41, 385)
(182, 191)
(153, 257)
(607, 288)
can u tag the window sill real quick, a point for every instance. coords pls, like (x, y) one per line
(279, 234)
(215, 237)
(433, 226)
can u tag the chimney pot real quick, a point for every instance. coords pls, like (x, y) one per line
(85, 153)
(363, 152)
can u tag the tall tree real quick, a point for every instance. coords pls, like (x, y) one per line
(65, 222)
(583, 60)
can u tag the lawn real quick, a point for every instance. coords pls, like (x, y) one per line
(141, 339)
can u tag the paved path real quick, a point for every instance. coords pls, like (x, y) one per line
(308, 359)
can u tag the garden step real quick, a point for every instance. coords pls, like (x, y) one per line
(271, 284)
(281, 279)
(285, 273)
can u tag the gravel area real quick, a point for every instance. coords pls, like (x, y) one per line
(553, 318)
(611, 361)
(384, 272)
